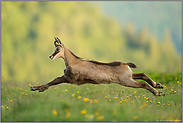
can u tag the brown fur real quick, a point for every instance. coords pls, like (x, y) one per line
(79, 71)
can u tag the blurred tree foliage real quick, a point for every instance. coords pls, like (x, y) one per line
(28, 29)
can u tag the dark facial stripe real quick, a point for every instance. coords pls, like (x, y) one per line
(56, 51)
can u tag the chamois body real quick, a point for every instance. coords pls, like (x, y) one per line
(79, 71)
(89, 72)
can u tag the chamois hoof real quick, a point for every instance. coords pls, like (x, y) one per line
(32, 89)
(41, 90)
(163, 94)
(160, 86)
(160, 94)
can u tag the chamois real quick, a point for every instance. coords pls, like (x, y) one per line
(79, 71)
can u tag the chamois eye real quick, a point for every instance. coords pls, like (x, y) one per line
(57, 49)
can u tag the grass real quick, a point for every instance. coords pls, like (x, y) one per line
(89, 102)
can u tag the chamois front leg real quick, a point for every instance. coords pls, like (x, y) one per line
(56, 81)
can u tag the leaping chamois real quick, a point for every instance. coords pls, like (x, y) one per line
(79, 71)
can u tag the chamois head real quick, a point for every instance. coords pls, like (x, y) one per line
(59, 50)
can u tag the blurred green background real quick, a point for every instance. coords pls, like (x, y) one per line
(92, 30)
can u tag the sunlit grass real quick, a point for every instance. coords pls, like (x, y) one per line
(89, 102)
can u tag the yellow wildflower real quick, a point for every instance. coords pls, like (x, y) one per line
(171, 89)
(68, 114)
(55, 88)
(170, 119)
(85, 99)
(109, 100)
(135, 117)
(22, 93)
(55, 112)
(95, 100)
(83, 112)
(73, 95)
(105, 96)
(114, 113)
(66, 110)
(78, 92)
(134, 91)
(10, 100)
(144, 105)
(150, 101)
(176, 120)
(65, 89)
(7, 107)
(158, 102)
(140, 107)
(177, 82)
(86, 115)
(169, 104)
(175, 78)
(37, 83)
(174, 91)
(79, 97)
(100, 117)
(97, 113)
(91, 101)
(25, 94)
(158, 105)
(120, 101)
(127, 96)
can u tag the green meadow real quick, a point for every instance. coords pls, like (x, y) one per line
(101, 102)
(28, 40)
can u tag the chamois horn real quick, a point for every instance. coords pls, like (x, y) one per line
(57, 42)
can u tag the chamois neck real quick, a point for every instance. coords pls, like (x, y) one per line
(69, 57)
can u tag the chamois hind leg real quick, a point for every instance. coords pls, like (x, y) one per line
(56, 81)
(143, 76)
(135, 84)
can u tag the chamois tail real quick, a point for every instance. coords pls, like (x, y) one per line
(132, 65)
